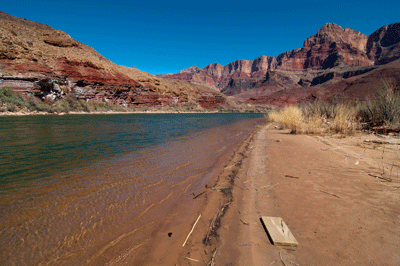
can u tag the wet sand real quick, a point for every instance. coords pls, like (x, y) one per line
(117, 210)
(322, 188)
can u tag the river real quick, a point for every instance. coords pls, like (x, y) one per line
(86, 189)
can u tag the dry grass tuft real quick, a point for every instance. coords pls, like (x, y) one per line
(290, 117)
(322, 117)
(345, 120)
(310, 119)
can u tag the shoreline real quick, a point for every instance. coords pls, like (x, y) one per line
(338, 213)
(214, 198)
(118, 112)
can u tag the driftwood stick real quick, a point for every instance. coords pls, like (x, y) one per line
(378, 142)
(243, 222)
(212, 258)
(191, 259)
(199, 195)
(292, 176)
(381, 177)
(211, 225)
(191, 231)
(220, 188)
(330, 194)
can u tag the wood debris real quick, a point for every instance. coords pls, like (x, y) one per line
(381, 177)
(278, 231)
(192, 259)
(243, 222)
(330, 194)
(199, 195)
(191, 231)
(290, 176)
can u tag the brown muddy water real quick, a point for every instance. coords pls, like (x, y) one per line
(94, 189)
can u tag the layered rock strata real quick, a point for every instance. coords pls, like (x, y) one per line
(36, 59)
(332, 55)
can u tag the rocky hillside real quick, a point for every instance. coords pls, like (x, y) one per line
(383, 46)
(36, 59)
(329, 57)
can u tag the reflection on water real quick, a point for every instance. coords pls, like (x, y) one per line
(79, 189)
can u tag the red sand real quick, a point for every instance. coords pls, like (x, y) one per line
(339, 214)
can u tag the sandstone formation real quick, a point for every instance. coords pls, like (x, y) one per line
(330, 57)
(383, 45)
(331, 46)
(219, 76)
(36, 59)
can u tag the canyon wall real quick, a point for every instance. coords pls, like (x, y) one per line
(36, 59)
(330, 56)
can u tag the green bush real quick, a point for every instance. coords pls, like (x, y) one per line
(62, 107)
(12, 101)
(43, 107)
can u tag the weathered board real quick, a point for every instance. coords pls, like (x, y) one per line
(278, 231)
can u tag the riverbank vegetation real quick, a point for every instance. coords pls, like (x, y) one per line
(343, 117)
(12, 102)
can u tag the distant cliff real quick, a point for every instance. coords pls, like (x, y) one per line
(330, 56)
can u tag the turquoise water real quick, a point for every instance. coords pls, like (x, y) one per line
(83, 189)
(35, 147)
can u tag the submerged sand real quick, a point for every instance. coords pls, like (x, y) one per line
(326, 189)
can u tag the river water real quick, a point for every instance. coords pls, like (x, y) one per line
(83, 189)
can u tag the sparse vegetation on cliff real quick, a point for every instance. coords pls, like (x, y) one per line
(11, 101)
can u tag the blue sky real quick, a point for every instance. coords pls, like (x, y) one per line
(167, 36)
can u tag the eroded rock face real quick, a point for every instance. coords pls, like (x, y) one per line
(212, 100)
(214, 70)
(383, 45)
(331, 46)
(33, 54)
(331, 56)
(219, 76)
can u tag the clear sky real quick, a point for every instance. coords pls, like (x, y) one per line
(167, 36)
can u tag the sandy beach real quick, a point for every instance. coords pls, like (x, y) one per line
(328, 190)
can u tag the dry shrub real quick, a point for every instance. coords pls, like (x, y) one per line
(344, 120)
(315, 124)
(317, 118)
(290, 117)
(385, 109)
(318, 108)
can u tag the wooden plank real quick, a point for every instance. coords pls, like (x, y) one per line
(278, 231)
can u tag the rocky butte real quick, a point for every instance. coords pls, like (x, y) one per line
(332, 63)
(36, 59)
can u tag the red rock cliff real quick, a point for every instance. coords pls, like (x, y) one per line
(383, 45)
(331, 46)
(33, 54)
